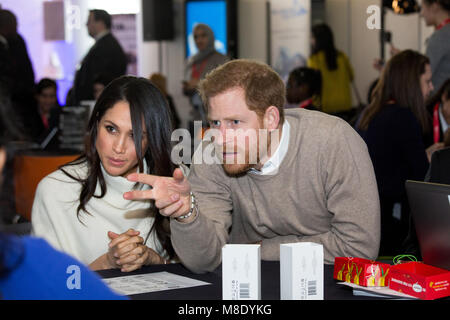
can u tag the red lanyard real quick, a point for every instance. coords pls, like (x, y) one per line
(305, 103)
(443, 24)
(436, 131)
(197, 70)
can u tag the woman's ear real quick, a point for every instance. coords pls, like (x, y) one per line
(271, 118)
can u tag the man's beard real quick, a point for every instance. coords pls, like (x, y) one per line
(237, 168)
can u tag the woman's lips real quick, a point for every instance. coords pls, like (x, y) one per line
(116, 162)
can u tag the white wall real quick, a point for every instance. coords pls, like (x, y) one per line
(348, 19)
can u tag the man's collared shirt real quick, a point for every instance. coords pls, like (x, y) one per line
(272, 165)
(4, 41)
(101, 35)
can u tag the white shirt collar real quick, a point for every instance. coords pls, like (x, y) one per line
(4, 41)
(101, 35)
(272, 165)
(444, 123)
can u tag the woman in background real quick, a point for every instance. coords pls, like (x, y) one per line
(393, 126)
(336, 70)
(45, 115)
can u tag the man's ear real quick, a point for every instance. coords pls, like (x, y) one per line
(271, 118)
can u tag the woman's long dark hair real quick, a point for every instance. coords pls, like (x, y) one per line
(400, 82)
(147, 104)
(324, 39)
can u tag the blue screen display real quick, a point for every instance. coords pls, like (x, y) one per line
(212, 13)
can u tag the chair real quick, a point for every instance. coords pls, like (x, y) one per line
(29, 169)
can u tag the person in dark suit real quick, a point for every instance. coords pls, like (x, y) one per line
(16, 69)
(106, 56)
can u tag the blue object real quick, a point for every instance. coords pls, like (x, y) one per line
(39, 272)
(212, 13)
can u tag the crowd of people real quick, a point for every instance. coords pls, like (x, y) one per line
(316, 175)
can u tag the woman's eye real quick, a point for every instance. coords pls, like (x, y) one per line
(110, 129)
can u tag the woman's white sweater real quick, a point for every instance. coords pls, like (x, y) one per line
(54, 214)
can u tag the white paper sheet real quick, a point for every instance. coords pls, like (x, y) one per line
(379, 292)
(151, 282)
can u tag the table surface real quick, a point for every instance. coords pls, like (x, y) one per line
(270, 284)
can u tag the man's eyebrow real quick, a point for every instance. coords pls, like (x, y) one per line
(232, 117)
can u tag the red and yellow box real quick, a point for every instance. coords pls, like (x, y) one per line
(420, 280)
(363, 272)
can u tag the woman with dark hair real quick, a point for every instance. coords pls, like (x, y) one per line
(45, 117)
(393, 126)
(80, 208)
(304, 86)
(29, 267)
(336, 70)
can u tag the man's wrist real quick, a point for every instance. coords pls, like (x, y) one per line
(187, 217)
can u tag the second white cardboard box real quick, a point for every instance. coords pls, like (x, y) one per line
(301, 271)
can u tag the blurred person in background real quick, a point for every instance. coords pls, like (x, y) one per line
(438, 107)
(304, 87)
(161, 82)
(206, 59)
(337, 73)
(16, 69)
(393, 126)
(436, 13)
(105, 56)
(45, 116)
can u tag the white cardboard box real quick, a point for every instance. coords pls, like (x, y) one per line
(241, 272)
(301, 271)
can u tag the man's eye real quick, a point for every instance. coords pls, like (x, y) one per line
(236, 122)
(214, 123)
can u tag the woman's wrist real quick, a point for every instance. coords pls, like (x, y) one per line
(103, 263)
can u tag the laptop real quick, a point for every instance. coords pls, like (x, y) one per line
(430, 210)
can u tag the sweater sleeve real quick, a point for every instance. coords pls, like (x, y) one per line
(351, 197)
(435, 53)
(42, 221)
(198, 244)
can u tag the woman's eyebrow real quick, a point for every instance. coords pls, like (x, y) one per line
(110, 122)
